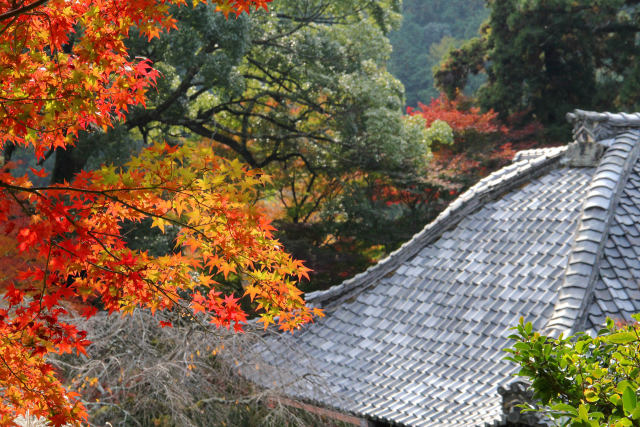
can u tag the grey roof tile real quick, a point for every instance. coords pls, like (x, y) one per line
(617, 293)
(423, 345)
(441, 321)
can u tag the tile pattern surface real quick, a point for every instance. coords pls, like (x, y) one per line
(417, 339)
(616, 293)
(423, 345)
(598, 211)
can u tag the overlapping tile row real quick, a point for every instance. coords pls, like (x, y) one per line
(536, 153)
(422, 345)
(489, 188)
(617, 293)
(600, 203)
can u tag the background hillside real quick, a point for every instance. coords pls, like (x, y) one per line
(429, 28)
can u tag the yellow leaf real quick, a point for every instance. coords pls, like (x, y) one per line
(158, 222)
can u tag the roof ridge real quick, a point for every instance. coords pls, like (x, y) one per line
(532, 153)
(600, 202)
(487, 189)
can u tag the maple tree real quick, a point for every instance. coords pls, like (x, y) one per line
(461, 118)
(301, 91)
(64, 68)
(475, 144)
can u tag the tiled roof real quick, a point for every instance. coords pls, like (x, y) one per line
(616, 293)
(600, 204)
(418, 338)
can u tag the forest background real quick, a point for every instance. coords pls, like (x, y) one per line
(314, 101)
(369, 116)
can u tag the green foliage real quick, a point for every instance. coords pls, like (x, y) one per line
(458, 65)
(549, 57)
(440, 133)
(582, 380)
(429, 29)
(300, 91)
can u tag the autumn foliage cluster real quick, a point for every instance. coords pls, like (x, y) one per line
(64, 68)
(475, 145)
(458, 114)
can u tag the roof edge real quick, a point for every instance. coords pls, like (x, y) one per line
(487, 189)
(587, 249)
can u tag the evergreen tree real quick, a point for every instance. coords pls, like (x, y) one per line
(549, 57)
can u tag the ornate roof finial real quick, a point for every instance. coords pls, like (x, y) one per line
(591, 126)
(591, 130)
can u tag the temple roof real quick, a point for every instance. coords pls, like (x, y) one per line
(417, 339)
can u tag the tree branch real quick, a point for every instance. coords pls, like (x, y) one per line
(223, 139)
(21, 10)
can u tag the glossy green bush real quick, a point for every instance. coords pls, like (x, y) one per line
(582, 380)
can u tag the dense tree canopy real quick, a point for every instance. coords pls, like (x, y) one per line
(549, 57)
(300, 92)
(65, 69)
(304, 82)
